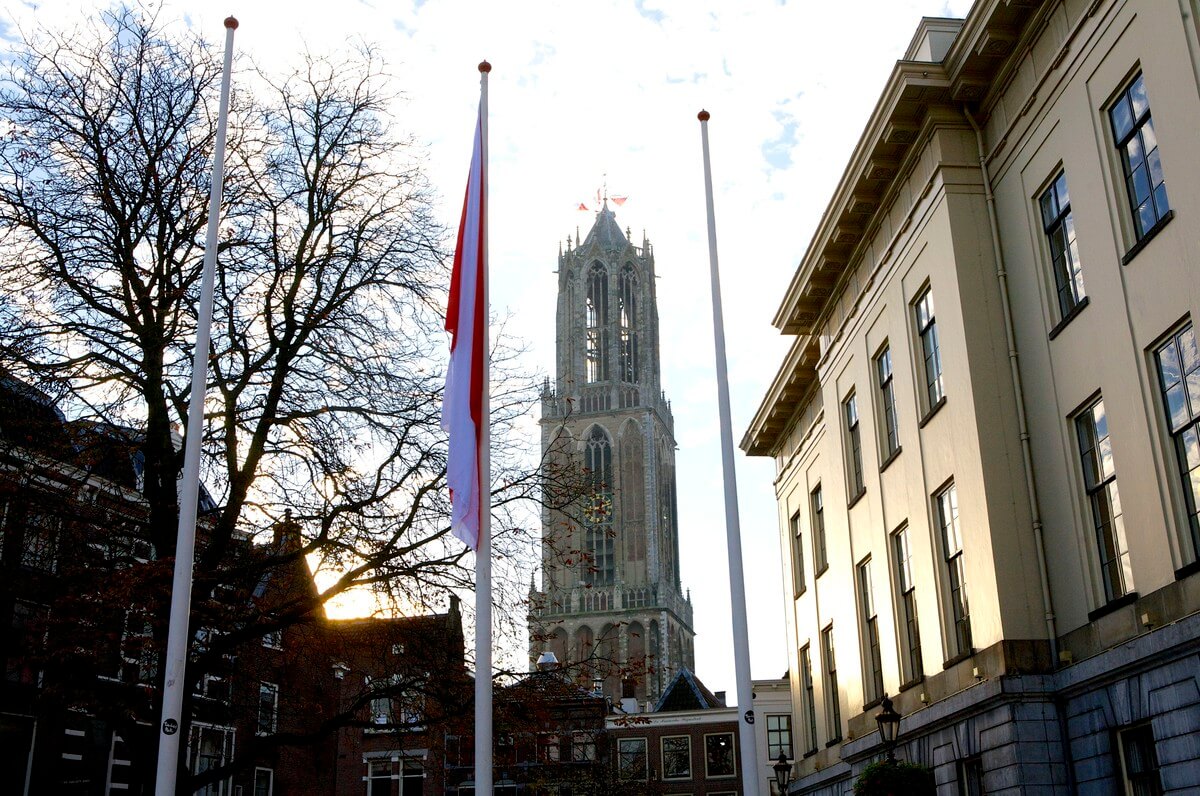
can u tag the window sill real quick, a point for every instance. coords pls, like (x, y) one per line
(891, 458)
(855, 498)
(1187, 569)
(874, 703)
(825, 569)
(832, 742)
(920, 678)
(1113, 605)
(959, 658)
(933, 410)
(1070, 316)
(797, 595)
(809, 753)
(1149, 236)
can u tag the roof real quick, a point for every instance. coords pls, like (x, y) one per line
(605, 234)
(686, 692)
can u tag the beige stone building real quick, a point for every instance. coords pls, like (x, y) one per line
(611, 604)
(986, 428)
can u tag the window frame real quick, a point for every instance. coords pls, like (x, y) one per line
(799, 581)
(1066, 268)
(908, 628)
(778, 746)
(270, 780)
(852, 428)
(885, 392)
(808, 700)
(732, 755)
(1138, 123)
(1178, 432)
(1101, 492)
(621, 756)
(929, 350)
(263, 688)
(816, 507)
(662, 746)
(868, 618)
(958, 628)
(1153, 775)
(833, 707)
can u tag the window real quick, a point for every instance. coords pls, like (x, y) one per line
(26, 643)
(40, 546)
(628, 318)
(817, 505)
(1139, 762)
(390, 777)
(597, 324)
(599, 566)
(810, 704)
(583, 747)
(798, 584)
(873, 665)
(1059, 226)
(208, 748)
(1100, 482)
(719, 759)
(677, 757)
(887, 404)
(833, 710)
(268, 707)
(854, 469)
(910, 634)
(264, 781)
(970, 776)
(139, 661)
(931, 353)
(947, 511)
(631, 759)
(273, 640)
(1133, 132)
(779, 736)
(1179, 379)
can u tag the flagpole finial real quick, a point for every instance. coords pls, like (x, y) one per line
(485, 67)
(702, 116)
(231, 23)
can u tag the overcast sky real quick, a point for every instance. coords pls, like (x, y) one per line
(581, 92)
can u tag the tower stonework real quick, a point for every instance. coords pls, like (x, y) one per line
(611, 605)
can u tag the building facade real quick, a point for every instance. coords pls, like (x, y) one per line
(611, 600)
(986, 427)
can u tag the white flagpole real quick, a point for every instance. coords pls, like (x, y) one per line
(181, 590)
(733, 533)
(483, 553)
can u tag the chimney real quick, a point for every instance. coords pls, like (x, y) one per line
(720, 695)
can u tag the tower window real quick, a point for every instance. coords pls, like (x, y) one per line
(600, 568)
(628, 317)
(597, 324)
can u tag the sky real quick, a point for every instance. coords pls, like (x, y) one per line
(585, 95)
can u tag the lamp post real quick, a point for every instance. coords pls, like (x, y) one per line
(783, 770)
(889, 727)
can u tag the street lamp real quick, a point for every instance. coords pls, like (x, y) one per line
(889, 727)
(782, 771)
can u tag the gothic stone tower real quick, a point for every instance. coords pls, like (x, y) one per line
(611, 600)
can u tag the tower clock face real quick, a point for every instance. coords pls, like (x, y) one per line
(598, 508)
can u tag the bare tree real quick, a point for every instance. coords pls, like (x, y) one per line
(325, 370)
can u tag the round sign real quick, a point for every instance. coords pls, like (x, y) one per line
(170, 727)
(749, 714)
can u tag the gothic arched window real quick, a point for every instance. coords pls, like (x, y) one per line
(597, 324)
(600, 568)
(628, 318)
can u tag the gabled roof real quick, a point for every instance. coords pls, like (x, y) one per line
(605, 234)
(686, 692)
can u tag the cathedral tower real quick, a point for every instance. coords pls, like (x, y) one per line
(611, 600)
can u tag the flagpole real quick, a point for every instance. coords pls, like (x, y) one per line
(185, 545)
(733, 533)
(483, 553)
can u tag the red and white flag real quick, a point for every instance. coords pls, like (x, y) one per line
(466, 320)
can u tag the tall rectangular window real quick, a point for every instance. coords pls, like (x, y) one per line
(677, 757)
(798, 582)
(779, 736)
(854, 469)
(817, 506)
(873, 664)
(268, 707)
(632, 759)
(1100, 482)
(1133, 132)
(931, 353)
(887, 403)
(1139, 762)
(264, 782)
(833, 709)
(1059, 226)
(809, 699)
(960, 615)
(910, 634)
(1179, 379)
